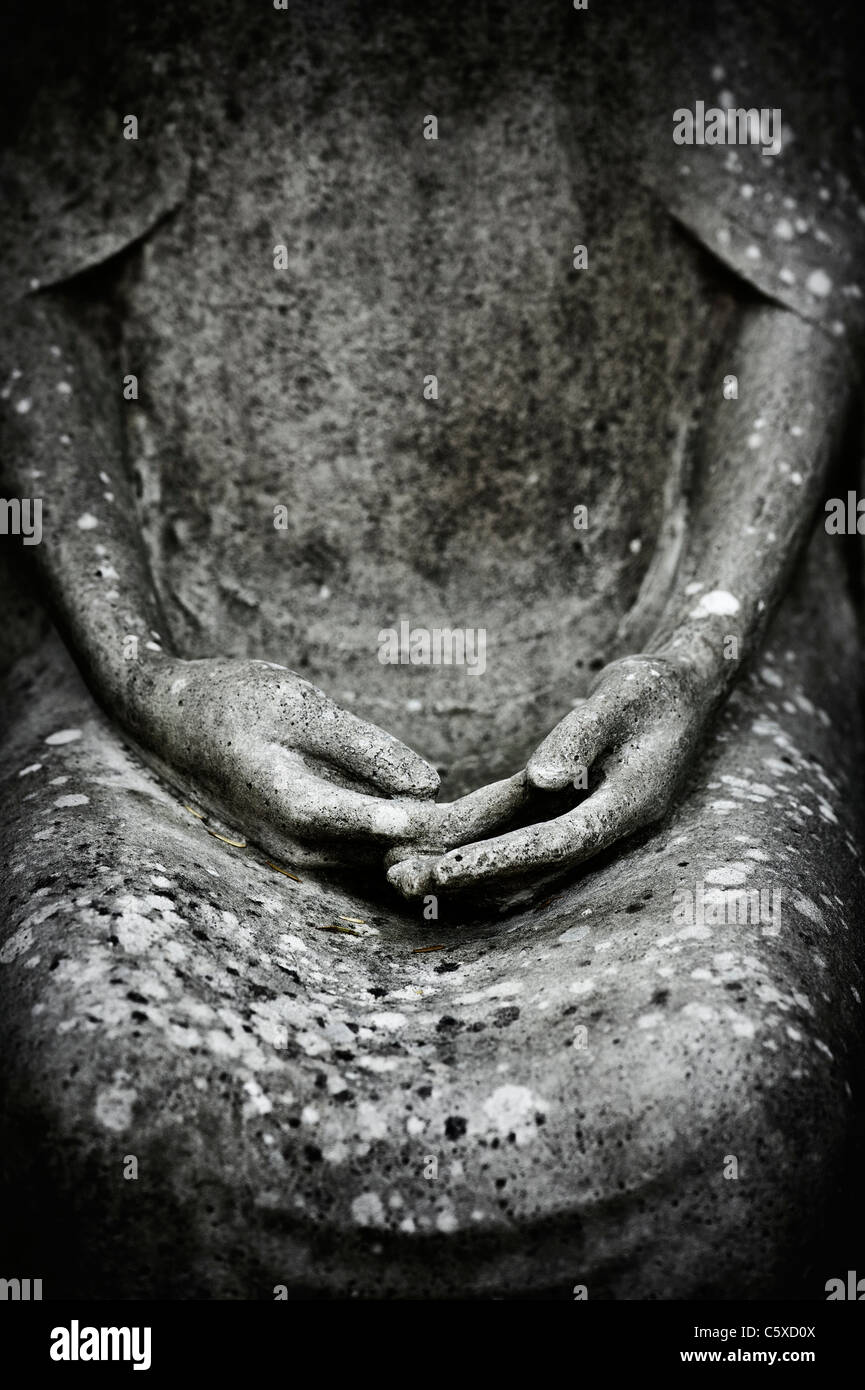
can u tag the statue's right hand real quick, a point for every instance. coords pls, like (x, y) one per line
(278, 757)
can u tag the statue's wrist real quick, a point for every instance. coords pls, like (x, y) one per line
(129, 684)
(702, 656)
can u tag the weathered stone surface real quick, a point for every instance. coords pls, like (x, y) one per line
(283, 1089)
(170, 998)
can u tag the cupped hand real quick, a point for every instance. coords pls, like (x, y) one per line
(273, 754)
(629, 742)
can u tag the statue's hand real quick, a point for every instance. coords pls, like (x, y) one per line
(275, 756)
(634, 735)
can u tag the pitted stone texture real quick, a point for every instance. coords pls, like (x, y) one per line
(284, 1090)
(169, 998)
(303, 388)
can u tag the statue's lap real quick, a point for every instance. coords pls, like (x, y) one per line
(579, 1064)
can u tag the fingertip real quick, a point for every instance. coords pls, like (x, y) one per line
(548, 776)
(412, 776)
(400, 877)
(427, 782)
(410, 877)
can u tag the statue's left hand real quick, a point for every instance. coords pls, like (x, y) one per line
(635, 736)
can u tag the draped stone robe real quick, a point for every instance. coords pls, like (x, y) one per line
(173, 999)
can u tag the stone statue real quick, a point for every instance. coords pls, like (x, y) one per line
(319, 327)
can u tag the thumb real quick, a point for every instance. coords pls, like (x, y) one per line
(574, 744)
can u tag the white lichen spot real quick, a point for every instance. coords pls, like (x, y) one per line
(718, 602)
(512, 1109)
(753, 253)
(819, 284)
(367, 1209)
(87, 522)
(74, 799)
(377, 1064)
(258, 1103)
(808, 909)
(505, 989)
(390, 1021)
(114, 1107)
(370, 1123)
(742, 1027)
(574, 934)
(704, 1013)
(730, 875)
(292, 943)
(826, 811)
(724, 960)
(784, 229)
(313, 1044)
(33, 767)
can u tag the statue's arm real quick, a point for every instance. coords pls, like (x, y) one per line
(760, 475)
(266, 749)
(62, 442)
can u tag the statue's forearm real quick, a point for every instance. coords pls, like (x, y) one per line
(62, 441)
(761, 473)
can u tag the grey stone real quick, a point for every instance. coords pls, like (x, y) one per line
(554, 1093)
